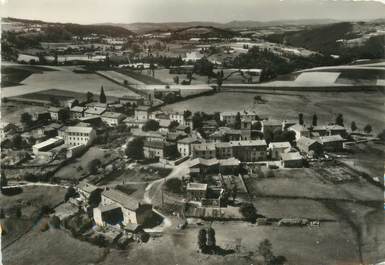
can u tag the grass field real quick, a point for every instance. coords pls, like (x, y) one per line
(64, 79)
(363, 108)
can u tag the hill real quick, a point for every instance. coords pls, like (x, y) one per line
(66, 29)
(202, 32)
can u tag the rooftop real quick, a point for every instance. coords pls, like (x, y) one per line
(121, 198)
(204, 147)
(291, 156)
(196, 186)
(77, 109)
(280, 145)
(188, 140)
(87, 187)
(112, 115)
(79, 129)
(331, 138)
(249, 143)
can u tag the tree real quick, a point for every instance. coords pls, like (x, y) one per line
(17, 141)
(315, 120)
(256, 126)
(353, 126)
(202, 239)
(93, 166)
(340, 120)
(150, 125)
(3, 180)
(249, 212)
(211, 242)
(134, 148)
(18, 212)
(89, 97)
(368, 128)
(237, 123)
(26, 118)
(197, 120)
(381, 135)
(174, 185)
(71, 192)
(102, 97)
(54, 222)
(173, 125)
(300, 118)
(265, 250)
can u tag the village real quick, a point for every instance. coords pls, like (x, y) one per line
(199, 165)
(191, 143)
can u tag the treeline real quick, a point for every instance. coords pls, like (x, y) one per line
(274, 64)
(324, 39)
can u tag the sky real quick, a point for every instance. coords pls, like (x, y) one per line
(128, 11)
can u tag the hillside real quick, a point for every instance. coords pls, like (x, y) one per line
(68, 29)
(322, 38)
(203, 32)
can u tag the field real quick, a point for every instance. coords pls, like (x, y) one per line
(78, 168)
(363, 108)
(64, 79)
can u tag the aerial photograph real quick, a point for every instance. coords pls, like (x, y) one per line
(192, 132)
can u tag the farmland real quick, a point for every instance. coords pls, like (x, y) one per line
(363, 108)
(65, 79)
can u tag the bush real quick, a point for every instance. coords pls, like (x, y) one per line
(54, 222)
(249, 212)
(174, 185)
(93, 166)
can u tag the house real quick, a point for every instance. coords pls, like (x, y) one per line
(336, 130)
(300, 131)
(184, 146)
(112, 118)
(224, 150)
(192, 56)
(94, 111)
(307, 145)
(269, 126)
(142, 113)
(291, 160)
(47, 145)
(77, 135)
(183, 128)
(249, 151)
(70, 103)
(86, 190)
(332, 143)
(133, 211)
(164, 124)
(131, 100)
(150, 136)
(75, 151)
(157, 149)
(133, 123)
(110, 214)
(58, 113)
(196, 191)
(228, 116)
(278, 148)
(76, 112)
(204, 150)
(41, 116)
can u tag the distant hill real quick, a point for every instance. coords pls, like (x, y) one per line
(322, 38)
(203, 32)
(162, 27)
(76, 29)
(257, 24)
(236, 24)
